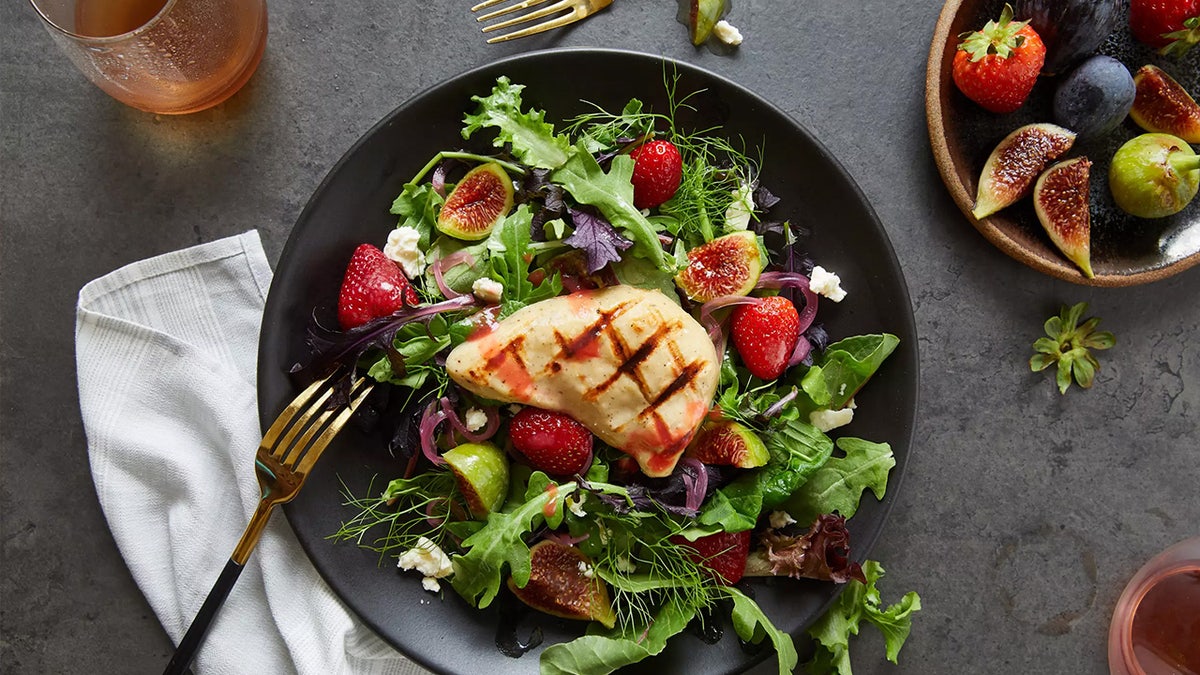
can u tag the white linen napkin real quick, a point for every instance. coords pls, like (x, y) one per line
(166, 352)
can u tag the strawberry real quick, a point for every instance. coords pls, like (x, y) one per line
(373, 287)
(723, 553)
(553, 442)
(1172, 25)
(657, 170)
(765, 335)
(998, 65)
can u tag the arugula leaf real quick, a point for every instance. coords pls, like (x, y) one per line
(797, 449)
(602, 653)
(479, 571)
(838, 486)
(860, 601)
(462, 276)
(612, 193)
(418, 206)
(843, 368)
(533, 139)
(509, 244)
(751, 625)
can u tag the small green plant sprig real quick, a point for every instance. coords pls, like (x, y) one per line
(1069, 345)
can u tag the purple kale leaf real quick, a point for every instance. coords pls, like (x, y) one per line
(596, 237)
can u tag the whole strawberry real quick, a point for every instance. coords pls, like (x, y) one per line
(1171, 25)
(998, 65)
(373, 287)
(551, 441)
(657, 170)
(765, 335)
(723, 553)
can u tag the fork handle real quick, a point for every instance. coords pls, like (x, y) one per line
(191, 641)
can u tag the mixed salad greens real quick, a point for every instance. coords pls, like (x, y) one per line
(466, 508)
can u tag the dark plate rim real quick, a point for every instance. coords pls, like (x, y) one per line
(910, 386)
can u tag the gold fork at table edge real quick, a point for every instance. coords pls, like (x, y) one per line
(284, 459)
(569, 12)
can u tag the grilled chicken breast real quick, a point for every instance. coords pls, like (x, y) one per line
(628, 363)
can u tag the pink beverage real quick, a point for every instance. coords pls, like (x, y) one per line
(1156, 625)
(161, 56)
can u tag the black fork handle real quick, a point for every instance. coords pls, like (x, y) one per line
(194, 637)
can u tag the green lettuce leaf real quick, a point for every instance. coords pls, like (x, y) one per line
(797, 449)
(533, 139)
(509, 244)
(601, 653)
(839, 484)
(751, 625)
(843, 368)
(857, 602)
(612, 194)
(479, 571)
(418, 207)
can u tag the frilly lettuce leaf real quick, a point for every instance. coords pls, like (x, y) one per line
(857, 602)
(533, 139)
(839, 484)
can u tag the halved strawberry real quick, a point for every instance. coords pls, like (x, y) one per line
(723, 553)
(373, 287)
(553, 442)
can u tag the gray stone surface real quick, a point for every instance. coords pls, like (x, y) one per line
(1021, 516)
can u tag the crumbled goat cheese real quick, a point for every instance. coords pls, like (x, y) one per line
(727, 33)
(403, 246)
(475, 419)
(826, 283)
(737, 216)
(428, 559)
(576, 505)
(487, 289)
(828, 420)
(586, 570)
(780, 519)
(624, 564)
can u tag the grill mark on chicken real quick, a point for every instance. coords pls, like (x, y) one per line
(631, 362)
(587, 343)
(681, 382)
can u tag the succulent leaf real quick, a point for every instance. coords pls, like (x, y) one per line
(1069, 345)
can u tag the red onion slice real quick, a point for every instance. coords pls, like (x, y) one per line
(696, 487)
(776, 280)
(715, 331)
(429, 424)
(440, 266)
(487, 432)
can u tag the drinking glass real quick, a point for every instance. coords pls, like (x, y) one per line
(1156, 625)
(161, 56)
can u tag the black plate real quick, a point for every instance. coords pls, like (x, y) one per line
(351, 207)
(1125, 250)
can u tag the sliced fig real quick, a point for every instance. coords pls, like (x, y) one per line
(702, 16)
(562, 583)
(728, 443)
(481, 471)
(1162, 105)
(1154, 176)
(480, 200)
(1061, 200)
(727, 265)
(1014, 165)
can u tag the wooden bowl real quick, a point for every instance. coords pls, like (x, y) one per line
(1126, 251)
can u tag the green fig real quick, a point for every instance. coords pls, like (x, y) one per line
(481, 471)
(1154, 176)
(702, 16)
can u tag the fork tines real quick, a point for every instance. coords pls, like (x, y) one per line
(567, 11)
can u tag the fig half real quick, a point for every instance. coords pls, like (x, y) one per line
(702, 16)
(1162, 105)
(727, 265)
(481, 472)
(728, 443)
(1015, 164)
(480, 200)
(562, 582)
(1061, 200)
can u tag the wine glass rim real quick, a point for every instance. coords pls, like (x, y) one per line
(102, 38)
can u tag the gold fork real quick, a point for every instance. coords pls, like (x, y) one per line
(575, 10)
(287, 453)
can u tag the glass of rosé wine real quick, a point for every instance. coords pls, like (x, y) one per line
(162, 56)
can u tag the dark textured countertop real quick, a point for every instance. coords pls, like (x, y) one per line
(1022, 513)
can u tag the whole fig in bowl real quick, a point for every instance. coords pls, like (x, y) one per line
(1095, 97)
(1072, 29)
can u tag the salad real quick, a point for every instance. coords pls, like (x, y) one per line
(616, 391)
